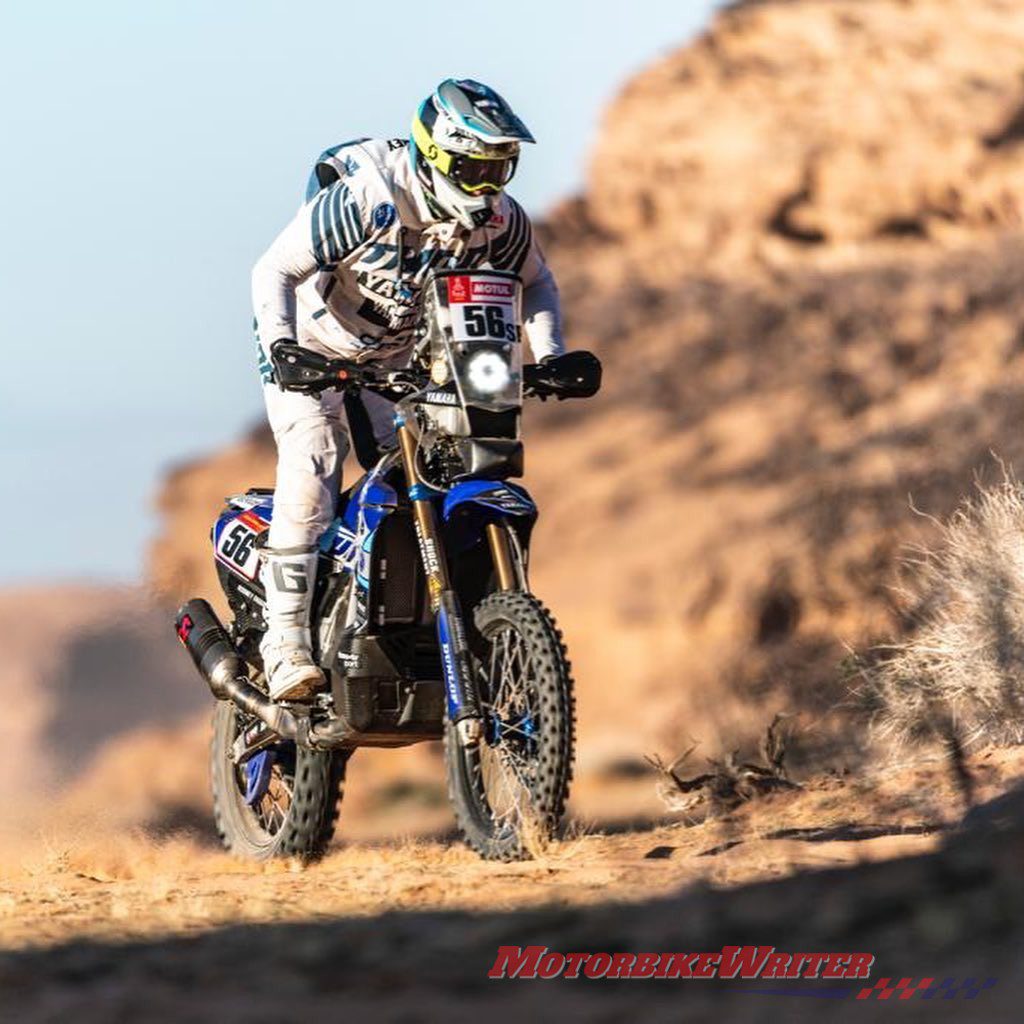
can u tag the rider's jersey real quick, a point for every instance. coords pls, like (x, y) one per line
(360, 248)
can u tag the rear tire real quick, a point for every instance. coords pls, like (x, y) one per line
(297, 815)
(509, 792)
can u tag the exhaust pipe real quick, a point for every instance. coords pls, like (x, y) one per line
(220, 664)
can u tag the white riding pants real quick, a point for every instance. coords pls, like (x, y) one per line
(312, 437)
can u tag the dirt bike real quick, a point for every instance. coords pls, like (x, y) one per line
(423, 620)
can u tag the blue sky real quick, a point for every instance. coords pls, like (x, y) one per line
(151, 151)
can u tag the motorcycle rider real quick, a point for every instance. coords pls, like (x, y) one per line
(344, 279)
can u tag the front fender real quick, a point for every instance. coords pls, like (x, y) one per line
(502, 498)
(471, 504)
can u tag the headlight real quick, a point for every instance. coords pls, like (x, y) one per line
(488, 373)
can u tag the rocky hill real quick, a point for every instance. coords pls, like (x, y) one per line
(799, 255)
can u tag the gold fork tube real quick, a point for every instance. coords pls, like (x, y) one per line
(502, 556)
(426, 524)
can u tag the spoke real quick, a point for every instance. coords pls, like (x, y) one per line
(506, 767)
(272, 808)
(490, 781)
(509, 667)
(512, 786)
(503, 803)
(517, 754)
(288, 791)
(507, 727)
(510, 806)
(278, 812)
(501, 697)
(519, 679)
(492, 692)
(265, 815)
(510, 761)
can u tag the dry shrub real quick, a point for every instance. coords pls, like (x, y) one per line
(728, 782)
(958, 674)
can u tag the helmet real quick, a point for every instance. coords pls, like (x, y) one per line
(464, 149)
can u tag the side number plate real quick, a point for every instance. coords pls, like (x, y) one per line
(236, 546)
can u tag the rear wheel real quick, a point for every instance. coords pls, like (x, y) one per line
(509, 791)
(284, 802)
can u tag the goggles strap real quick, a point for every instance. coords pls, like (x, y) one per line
(432, 152)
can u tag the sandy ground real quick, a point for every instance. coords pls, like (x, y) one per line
(116, 924)
(86, 877)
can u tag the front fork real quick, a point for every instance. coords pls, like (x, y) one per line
(501, 555)
(463, 699)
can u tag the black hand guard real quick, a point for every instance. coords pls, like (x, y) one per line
(573, 375)
(300, 369)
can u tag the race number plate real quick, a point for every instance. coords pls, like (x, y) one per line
(236, 546)
(483, 308)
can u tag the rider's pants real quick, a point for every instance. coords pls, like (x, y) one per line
(312, 439)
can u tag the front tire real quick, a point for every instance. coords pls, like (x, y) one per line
(509, 792)
(297, 813)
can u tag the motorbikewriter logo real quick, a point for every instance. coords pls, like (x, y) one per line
(729, 962)
(732, 962)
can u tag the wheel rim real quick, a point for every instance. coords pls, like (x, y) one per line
(504, 766)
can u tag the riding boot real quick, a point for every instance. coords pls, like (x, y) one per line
(289, 576)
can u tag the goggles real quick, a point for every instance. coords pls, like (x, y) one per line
(473, 174)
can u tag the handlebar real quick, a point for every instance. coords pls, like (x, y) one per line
(572, 375)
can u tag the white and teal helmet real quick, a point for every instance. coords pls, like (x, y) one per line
(464, 149)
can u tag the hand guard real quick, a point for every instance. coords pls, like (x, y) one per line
(305, 371)
(572, 375)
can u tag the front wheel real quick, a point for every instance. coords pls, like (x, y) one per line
(282, 803)
(509, 791)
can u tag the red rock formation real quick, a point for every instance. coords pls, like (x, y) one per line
(798, 254)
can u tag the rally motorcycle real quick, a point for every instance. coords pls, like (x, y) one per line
(423, 620)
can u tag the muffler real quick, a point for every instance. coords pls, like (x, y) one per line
(220, 664)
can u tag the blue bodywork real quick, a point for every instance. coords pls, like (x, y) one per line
(497, 497)
(471, 504)
(466, 509)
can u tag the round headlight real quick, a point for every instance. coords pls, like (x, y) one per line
(488, 373)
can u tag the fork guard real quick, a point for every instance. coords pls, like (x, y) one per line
(463, 701)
